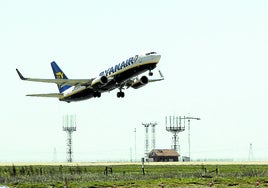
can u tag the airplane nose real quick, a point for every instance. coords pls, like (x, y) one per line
(157, 58)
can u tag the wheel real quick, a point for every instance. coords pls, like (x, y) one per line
(97, 94)
(151, 74)
(120, 94)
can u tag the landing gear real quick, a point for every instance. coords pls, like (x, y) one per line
(97, 94)
(120, 94)
(151, 73)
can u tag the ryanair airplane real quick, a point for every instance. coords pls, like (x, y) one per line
(122, 76)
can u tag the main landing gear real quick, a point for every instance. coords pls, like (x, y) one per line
(120, 94)
(97, 94)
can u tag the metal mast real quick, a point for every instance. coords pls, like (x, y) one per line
(135, 139)
(69, 126)
(189, 136)
(153, 134)
(146, 152)
(250, 153)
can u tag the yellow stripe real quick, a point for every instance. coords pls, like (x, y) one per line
(131, 67)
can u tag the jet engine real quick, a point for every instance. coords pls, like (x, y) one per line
(140, 82)
(99, 81)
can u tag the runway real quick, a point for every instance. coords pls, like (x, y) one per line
(130, 163)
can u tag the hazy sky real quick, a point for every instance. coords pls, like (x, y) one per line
(214, 59)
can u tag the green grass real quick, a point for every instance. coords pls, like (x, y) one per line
(42, 176)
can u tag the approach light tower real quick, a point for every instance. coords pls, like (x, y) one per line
(69, 126)
(173, 125)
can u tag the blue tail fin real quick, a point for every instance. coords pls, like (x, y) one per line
(59, 74)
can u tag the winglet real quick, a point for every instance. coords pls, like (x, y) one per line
(161, 74)
(20, 75)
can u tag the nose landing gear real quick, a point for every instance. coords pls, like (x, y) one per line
(151, 73)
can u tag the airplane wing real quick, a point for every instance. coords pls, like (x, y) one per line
(155, 80)
(62, 82)
(56, 95)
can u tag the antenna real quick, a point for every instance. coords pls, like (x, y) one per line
(69, 126)
(174, 126)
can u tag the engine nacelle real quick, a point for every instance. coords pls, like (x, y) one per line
(140, 82)
(99, 81)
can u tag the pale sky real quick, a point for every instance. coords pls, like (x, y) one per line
(214, 59)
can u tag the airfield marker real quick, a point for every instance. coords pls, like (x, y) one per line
(257, 183)
(142, 165)
(210, 184)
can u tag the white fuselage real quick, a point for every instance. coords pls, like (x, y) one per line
(115, 75)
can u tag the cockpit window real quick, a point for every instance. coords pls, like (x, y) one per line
(150, 53)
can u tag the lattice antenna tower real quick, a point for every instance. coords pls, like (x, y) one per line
(174, 125)
(146, 147)
(69, 126)
(153, 134)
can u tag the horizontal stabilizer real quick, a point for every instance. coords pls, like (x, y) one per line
(56, 95)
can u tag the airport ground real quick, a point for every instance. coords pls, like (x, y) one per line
(175, 174)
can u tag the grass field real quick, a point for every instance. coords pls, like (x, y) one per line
(48, 175)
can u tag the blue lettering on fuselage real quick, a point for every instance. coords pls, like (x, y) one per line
(123, 65)
(111, 70)
(119, 66)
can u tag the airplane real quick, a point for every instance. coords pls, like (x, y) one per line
(121, 76)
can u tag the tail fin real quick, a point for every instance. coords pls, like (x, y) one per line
(59, 74)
